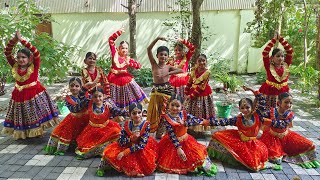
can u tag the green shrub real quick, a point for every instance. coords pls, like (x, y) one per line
(308, 78)
(261, 76)
(143, 77)
(55, 55)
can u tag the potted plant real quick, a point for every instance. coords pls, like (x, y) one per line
(230, 82)
(59, 99)
(224, 106)
(220, 69)
(233, 83)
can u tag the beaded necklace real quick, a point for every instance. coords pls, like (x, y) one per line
(247, 122)
(98, 110)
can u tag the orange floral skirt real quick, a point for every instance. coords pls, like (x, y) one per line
(139, 163)
(170, 162)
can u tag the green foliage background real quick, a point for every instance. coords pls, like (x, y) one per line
(290, 16)
(55, 56)
(267, 19)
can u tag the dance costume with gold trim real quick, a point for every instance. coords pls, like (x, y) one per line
(72, 125)
(141, 150)
(159, 97)
(177, 137)
(100, 131)
(241, 144)
(124, 89)
(179, 81)
(277, 78)
(283, 143)
(98, 77)
(30, 109)
(201, 102)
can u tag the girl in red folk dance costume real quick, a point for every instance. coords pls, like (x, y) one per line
(179, 81)
(242, 145)
(94, 74)
(101, 130)
(179, 152)
(73, 124)
(30, 109)
(277, 68)
(284, 144)
(124, 89)
(199, 101)
(136, 152)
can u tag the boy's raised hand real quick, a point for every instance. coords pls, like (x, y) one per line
(162, 38)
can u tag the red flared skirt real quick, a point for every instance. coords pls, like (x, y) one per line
(119, 79)
(170, 162)
(139, 163)
(252, 154)
(292, 144)
(27, 93)
(70, 128)
(271, 90)
(93, 137)
(177, 81)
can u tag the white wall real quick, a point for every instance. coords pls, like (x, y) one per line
(90, 31)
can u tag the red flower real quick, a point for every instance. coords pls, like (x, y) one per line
(300, 30)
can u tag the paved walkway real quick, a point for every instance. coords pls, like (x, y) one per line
(24, 159)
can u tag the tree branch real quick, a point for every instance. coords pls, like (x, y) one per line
(125, 6)
(139, 4)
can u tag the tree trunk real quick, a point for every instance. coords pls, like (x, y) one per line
(280, 20)
(132, 4)
(318, 55)
(196, 35)
(305, 46)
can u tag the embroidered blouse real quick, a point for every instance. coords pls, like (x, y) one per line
(281, 74)
(128, 137)
(120, 63)
(32, 72)
(178, 129)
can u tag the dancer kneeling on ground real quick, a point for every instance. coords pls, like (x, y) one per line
(136, 152)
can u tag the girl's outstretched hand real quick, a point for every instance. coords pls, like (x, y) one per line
(276, 34)
(107, 104)
(205, 122)
(247, 88)
(122, 29)
(18, 35)
(120, 156)
(89, 84)
(181, 154)
(179, 40)
(260, 133)
(133, 138)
